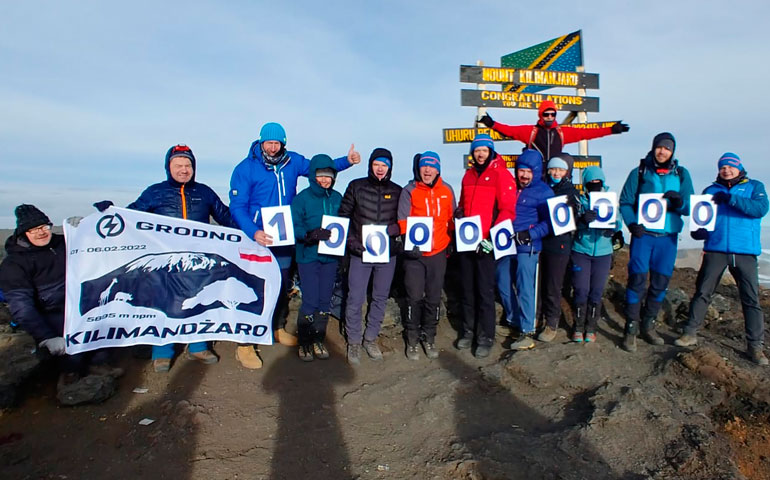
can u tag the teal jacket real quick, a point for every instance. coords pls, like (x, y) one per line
(309, 207)
(591, 241)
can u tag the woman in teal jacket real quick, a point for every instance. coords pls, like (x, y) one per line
(316, 271)
(591, 259)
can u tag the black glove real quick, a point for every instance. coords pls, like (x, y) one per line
(636, 230)
(413, 254)
(356, 248)
(608, 232)
(316, 235)
(700, 234)
(620, 127)
(487, 121)
(721, 197)
(459, 212)
(674, 199)
(103, 205)
(617, 240)
(589, 216)
(450, 249)
(522, 238)
(394, 230)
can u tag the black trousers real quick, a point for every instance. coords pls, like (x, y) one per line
(423, 280)
(478, 302)
(552, 272)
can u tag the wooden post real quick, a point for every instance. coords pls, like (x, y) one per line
(480, 111)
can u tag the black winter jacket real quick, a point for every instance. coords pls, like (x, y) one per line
(370, 201)
(562, 245)
(32, 279)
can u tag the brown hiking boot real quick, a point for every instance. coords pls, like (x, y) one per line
(686, 340)
(629, 342)
(757, 356)
(206, 357)
(547, 335)
(285, 338)
(247, 355)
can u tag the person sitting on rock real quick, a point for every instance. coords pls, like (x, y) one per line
(735, 245)
(32, 278)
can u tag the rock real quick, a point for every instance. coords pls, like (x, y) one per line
(90, 389)
(720, 303)
(615, 291)
(17, 363)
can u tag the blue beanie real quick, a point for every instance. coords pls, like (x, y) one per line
(430, 159)
(482, 140)
(272, 131)
(557, 162)
(730, 159)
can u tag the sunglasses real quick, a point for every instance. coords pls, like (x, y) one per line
(549, 114)
(180, 148)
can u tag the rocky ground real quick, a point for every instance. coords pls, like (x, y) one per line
(560, 411)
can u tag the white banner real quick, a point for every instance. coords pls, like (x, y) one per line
(502, 242)
(468, 233)
(376, 244)
(419, 233)
(562, 218)
(277, 222)
(140, 278)
(606, 206)
(652, 211)
(336, 243)
(703, 213)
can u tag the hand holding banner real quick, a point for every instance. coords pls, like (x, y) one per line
(703, 213)
(501, 239)
(652, 211)
(468, 233)
(335, 245)
(376, 244)
(419, 233)
(562, 219)
(606, 206)
(277, 222)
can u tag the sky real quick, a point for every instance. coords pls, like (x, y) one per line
(93, 93)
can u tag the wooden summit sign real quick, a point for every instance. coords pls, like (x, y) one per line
(493, 98)
(581, 161)
(466, 135)
(522, 76)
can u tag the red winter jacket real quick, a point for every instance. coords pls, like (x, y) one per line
(492, 195)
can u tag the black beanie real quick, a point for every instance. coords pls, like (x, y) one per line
(29, 216)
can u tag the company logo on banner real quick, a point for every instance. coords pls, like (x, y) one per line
(165, 280)
(562, 219)
(606, 206)
(652, 211)
(703, 213)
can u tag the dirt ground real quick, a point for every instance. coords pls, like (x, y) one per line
(559, 411)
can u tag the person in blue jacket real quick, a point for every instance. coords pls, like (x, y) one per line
(653, 252)
(316, 271)
(267, 177)
(591, 259)
(735, 245)
(530, 226)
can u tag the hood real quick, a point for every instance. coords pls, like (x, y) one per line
(18, 244)
(416, 166)
(380, 152)
(546, 105)
(593, 173)
(317, 162)
(569, 161)
(532, 160)
(189, 154)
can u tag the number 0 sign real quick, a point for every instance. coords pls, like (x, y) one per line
(468, 233)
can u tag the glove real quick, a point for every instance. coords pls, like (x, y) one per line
(721, 197)
(485, 246)
(356, 248)
(74, 221)
(103, 205)
(54, 345)
(522, 238)
(700, 234)
(674, 199)
(413, 254)
(589, 216)
(636, 230)
(617, 241)
(608, 233)
(450, 249)
(394, 230)
(459, 212)
(316, 235)
(487, 121)
(620, 127)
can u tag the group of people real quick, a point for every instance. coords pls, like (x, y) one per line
(32, 276)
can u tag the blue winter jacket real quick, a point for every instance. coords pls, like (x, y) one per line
(191, 201)
(256, 184)
(532, 206)
(737, 228)
(591, 241)
(308, 209)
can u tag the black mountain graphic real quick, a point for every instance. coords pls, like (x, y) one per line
(180, 284)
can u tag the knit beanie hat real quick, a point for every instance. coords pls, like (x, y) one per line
(29, 216)
(482, 140)
(326, 172)
(430, 159)
(665, 140)
(272, 131)
(557, 162)
(730, 159)
(180, 151)
(381, 155)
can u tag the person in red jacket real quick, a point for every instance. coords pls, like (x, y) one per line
(488, 190)
(426, 196)
(547, 136)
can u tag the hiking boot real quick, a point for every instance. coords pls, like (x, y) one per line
(547, 335)
(430, 350)
(306, 353)
(482, 351)
(161, 365)
(590, 337)
(105, 369)
(757, 356)
(651, 336)
(686, 340)
(354, 354)
(373, 350)
(206, 357)
(629, 342)
(412, 352)
(464, 343)
(247, 355)
(285, 338)
(524, 342)
(577, 336)
(320, 351)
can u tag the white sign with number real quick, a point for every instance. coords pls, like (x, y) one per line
(703, 212)
(502, 242)
(419, 233)
(335, 245)
(276, 222)
(606, 206)
(562, 218)
(376, 244)
(468, 233)
(652, 211)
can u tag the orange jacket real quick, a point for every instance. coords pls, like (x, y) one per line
(420, 200)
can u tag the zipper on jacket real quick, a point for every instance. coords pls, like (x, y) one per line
(184, 202)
